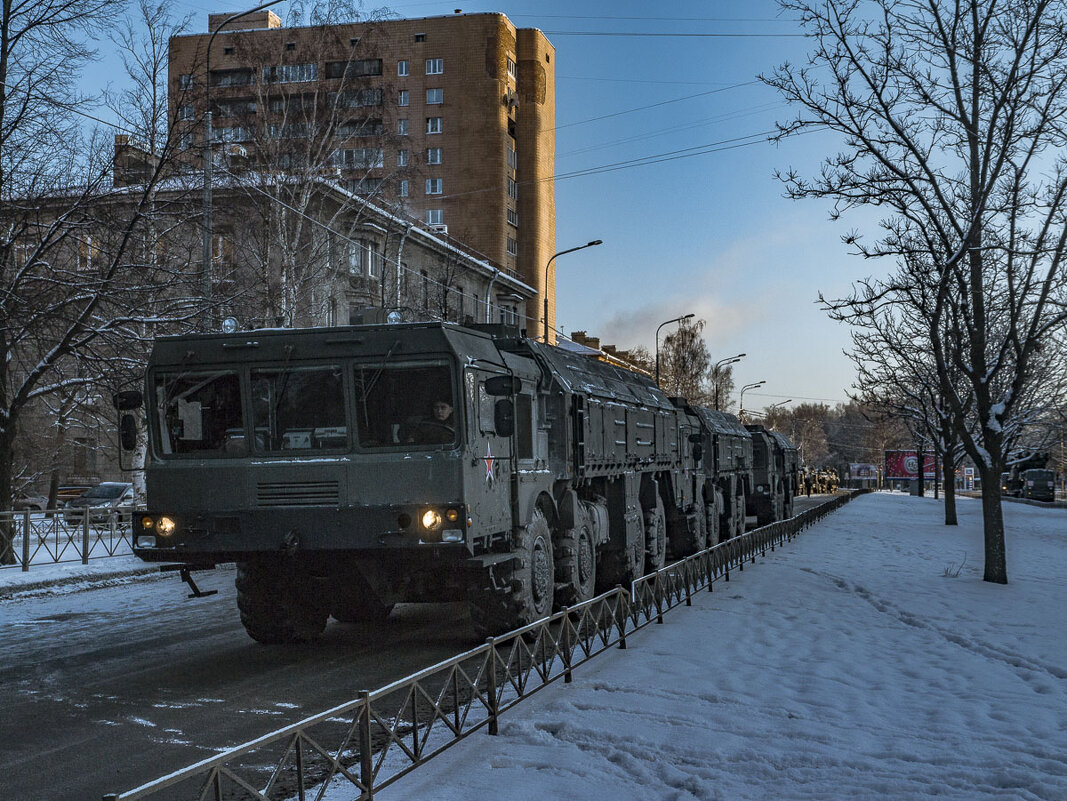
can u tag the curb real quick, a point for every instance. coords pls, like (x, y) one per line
(90, 581)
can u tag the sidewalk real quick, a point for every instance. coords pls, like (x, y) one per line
(59, 577)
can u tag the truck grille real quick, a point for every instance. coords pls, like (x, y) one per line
(297, 493)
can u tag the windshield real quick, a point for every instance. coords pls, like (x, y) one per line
(1039, 475)
(405, 406)
(299, 409)
(199, 413)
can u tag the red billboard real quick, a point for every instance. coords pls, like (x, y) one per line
(905, 464)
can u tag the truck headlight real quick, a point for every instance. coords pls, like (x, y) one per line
(165, 526)
(431, 519)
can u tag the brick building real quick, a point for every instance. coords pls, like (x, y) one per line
(447, 121)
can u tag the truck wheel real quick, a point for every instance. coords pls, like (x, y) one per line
(353, 601)
(691, 533)
(655, 537)
(531, 584)
(576, 565)
(279, 604)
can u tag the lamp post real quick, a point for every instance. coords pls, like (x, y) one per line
(208, 133)
(780, 403)
(714, 371)
(668, 322)
(545, 288)
(741, 402)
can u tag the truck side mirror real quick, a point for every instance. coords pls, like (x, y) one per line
(504, 417)
(128, 400)
(502, 385)
(128, 432)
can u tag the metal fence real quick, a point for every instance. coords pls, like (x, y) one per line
(370, 742)
(40, 538)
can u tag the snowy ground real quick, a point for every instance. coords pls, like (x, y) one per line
(850, 665)
(846, 666)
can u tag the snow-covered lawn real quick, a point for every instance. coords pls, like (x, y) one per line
(847, 665)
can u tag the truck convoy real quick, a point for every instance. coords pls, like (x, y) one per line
(346, 470)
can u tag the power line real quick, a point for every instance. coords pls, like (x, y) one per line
(655, 105)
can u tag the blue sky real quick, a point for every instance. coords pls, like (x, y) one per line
(709, 233)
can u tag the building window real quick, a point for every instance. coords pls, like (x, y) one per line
(402, 69)
(435, 217)
(434, 125)
(358, 68)
(513, 247)
(365, 127)
(512, 71)
(290, 45)
(185, 81)
(402, 127)
(403, 98)
(375, 260)
(404, 189)
(401, 158)
(433, 155)
(354, 257)
(331, 312)
(513, 189)
(186, 112)
(354, 41)
(435, 66)
(291, 73)
(434, 186)
(359, 158)
(420, 37)
(435, 97)
(355, 98)
(227, 51)
(513, 158)
(513, 217)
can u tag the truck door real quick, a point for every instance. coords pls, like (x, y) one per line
(487, 488)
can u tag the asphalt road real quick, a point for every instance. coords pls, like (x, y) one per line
(106, 689)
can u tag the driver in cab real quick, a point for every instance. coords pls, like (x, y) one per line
(438, 428)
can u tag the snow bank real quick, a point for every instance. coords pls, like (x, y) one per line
(847, 665)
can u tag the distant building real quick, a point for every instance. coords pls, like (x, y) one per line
(447, 121)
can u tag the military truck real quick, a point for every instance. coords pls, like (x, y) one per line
(727, 464)
(776, 475)
(348, 469)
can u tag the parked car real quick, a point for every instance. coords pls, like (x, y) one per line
(68, 492)
(100, 501)
(28, 501)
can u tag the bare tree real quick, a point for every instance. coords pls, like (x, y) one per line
(684, 362)
(78, 275)
(953, 116)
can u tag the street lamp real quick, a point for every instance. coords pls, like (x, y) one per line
(206, 278)
(741, 402)
(668, 322)
(780, 403)
(714, 371)
(545, 288)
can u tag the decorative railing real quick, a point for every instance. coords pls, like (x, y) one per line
(36, 538)
(371, 742)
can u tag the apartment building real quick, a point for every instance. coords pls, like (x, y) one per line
(445, 121)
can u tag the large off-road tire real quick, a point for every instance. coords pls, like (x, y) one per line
(279, 603)
(353, 601)
(576, 563)
(655, 537)
(529, 584)
(691, 534)
(619, 568)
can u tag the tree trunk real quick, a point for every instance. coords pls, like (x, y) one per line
(949, 464)
(7, 524)
(996, 568)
